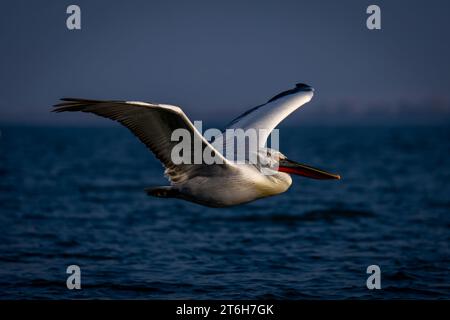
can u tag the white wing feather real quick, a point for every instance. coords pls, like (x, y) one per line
(153, 124)
(270, 114)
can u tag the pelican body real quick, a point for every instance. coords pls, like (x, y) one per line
(221, 184)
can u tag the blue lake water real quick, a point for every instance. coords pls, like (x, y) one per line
(75, 196)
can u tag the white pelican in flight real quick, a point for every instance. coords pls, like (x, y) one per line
(216, 185)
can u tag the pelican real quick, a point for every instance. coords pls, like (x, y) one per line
(213, 185)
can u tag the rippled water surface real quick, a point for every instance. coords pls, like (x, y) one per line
(75, 196)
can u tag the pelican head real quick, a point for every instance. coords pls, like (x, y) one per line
(277, 162)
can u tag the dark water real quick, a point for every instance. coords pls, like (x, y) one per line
(75, 196)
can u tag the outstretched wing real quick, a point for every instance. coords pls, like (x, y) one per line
(153, 124)
(267, 116)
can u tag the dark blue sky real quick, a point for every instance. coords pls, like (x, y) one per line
(217, 58)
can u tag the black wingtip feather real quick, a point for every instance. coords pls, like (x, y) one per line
(74, 104)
